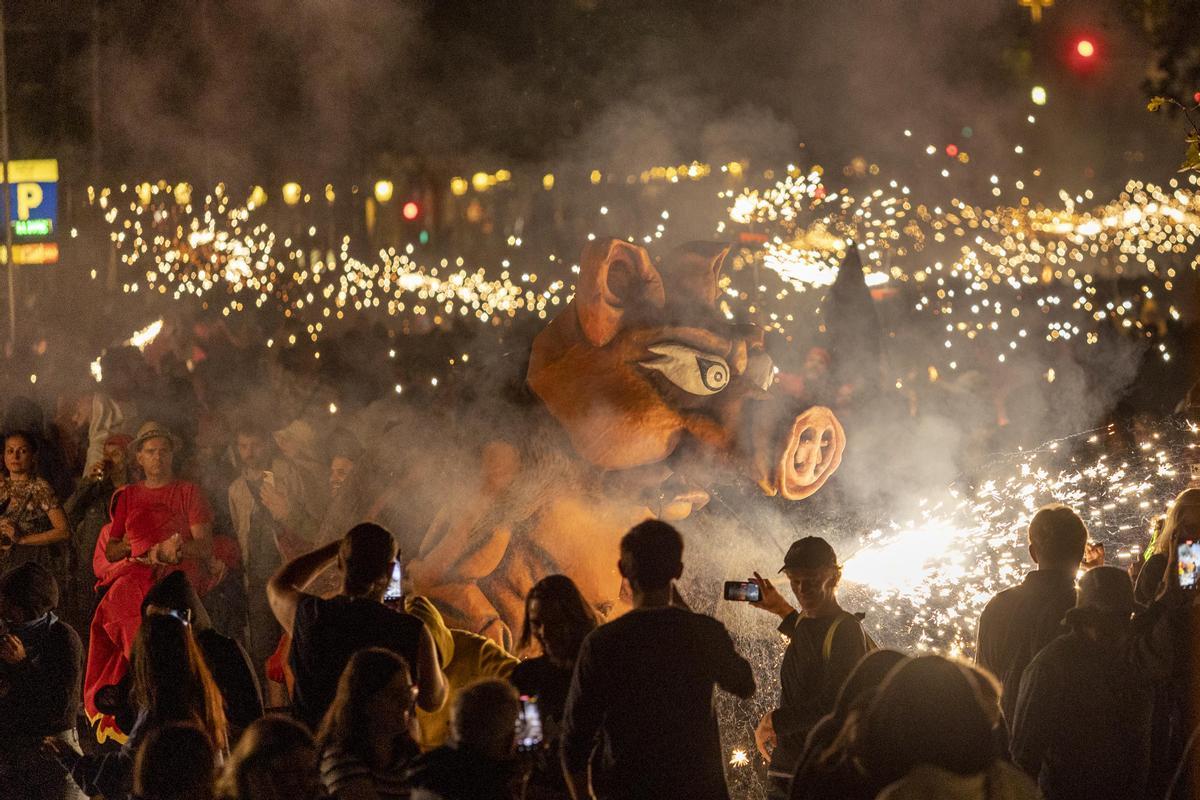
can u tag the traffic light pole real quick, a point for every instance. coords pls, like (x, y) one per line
(4, 159)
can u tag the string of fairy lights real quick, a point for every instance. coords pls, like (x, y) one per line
(974, 268)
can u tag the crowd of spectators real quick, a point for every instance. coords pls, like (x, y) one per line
(206, 615)
(1078, 691)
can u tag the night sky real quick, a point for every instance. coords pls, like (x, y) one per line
(271, 90)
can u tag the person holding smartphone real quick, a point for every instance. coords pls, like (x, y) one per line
(825, 642)
(557, 620)
(41, 660)
(272, 520)
(1164, 646)
(326, 632)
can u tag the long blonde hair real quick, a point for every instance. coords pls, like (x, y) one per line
(1162, 542)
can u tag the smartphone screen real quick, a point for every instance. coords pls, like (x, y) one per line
(529, 726)
(1189, 561)
(747, 591)
(394, 589)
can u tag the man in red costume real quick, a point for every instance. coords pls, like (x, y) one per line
(159, 524)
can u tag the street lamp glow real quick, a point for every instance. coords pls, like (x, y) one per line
(1038, 95)
(291, 193)
(383, 191)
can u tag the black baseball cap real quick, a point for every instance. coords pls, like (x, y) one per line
(811, 552)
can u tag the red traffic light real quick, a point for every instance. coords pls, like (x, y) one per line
(411, 210)
(952, 150)
(1086, 48)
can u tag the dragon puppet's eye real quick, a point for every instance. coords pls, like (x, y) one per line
(691, 370)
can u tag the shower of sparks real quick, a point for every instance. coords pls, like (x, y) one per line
(925, 581)
(146, 336)
(1005, 275)
(738, 758)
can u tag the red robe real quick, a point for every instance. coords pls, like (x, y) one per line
(144, 517)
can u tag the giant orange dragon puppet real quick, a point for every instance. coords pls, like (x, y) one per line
(659, 396)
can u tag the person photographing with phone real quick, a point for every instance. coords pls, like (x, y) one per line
(1164, 645)
(326, 632)
(825, 642)
(272, 521)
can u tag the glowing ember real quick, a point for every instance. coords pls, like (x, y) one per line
(146, 336)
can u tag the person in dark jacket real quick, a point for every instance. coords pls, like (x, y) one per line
(478, 763)
(1021, 620)
(41, 666)
(825, 643)
(1082, 723)
(644, 682)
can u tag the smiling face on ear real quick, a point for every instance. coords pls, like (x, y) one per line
(642, 367)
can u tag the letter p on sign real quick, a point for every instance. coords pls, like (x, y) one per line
(29, 197)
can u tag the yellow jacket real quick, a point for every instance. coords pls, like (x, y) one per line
(466, 657)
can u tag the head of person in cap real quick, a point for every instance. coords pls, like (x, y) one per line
(812, 569)
(154, 450)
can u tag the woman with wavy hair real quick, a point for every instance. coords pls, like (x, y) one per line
(557, 620)
(366, 738)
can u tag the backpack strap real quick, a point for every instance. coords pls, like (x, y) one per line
(827, 646)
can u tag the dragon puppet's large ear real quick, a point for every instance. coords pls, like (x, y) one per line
(693, 272)
(614, 278)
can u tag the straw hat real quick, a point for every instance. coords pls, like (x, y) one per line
(153, 430)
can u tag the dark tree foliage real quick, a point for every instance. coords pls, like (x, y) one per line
(1173, 29)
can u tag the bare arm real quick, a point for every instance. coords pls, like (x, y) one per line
(431, 682)
(117, 549)
(284, 588)
(59, 530)
(200, 545)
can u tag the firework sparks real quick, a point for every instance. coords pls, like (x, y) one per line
(926, 580)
